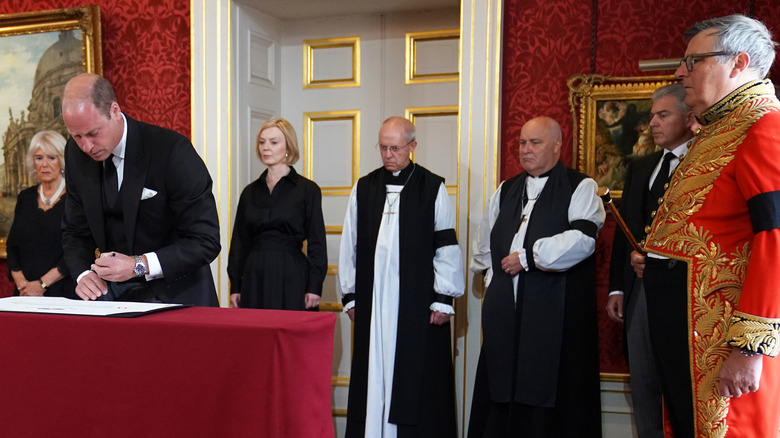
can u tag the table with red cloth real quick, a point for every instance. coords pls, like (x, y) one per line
(191, 372)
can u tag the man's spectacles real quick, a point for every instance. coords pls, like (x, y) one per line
(394, 149)
(691, 60)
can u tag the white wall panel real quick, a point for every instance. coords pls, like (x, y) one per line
(262, 60)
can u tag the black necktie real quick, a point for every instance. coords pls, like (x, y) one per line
(657, 190)
(110, 185)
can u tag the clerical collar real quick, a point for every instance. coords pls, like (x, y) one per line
(736, 98)
(401, 178)
(544, 175)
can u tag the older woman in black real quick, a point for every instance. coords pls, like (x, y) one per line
(275, 215)
(34, 243)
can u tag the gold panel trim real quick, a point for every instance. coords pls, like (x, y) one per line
(339, 412)
(309, 46)
(339, 381)
(437, 111)
(333, 229)
(615, 377)
(412, 38)
(336, 191)
(331, 307)
(332, 270)
(309, 119)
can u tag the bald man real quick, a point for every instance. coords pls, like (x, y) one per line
(400, 267)
(140, 220)
(538, 370)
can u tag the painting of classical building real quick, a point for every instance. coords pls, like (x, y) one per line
(57, 62)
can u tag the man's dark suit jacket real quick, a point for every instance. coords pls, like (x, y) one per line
(637, 183)
(179, 223)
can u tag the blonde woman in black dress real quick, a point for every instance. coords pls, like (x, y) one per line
(34, 245)
(276, 214)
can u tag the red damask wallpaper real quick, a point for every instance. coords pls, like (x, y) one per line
(146, 55)
(547, 41)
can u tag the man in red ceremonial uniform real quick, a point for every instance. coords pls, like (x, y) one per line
(720, 217)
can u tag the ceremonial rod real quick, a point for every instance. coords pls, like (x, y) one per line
(603, 193)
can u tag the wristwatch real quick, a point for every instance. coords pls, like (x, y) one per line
(140, 268)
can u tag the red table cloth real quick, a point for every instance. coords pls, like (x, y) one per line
(192, 372)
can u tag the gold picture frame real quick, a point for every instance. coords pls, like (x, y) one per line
(610, 116)
(41, 52)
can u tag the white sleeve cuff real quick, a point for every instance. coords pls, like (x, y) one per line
(443, 308)
(82, 275)
(155, 270)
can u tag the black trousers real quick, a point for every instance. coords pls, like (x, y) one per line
(666, 288)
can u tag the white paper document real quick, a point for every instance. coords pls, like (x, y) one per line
(64, 306)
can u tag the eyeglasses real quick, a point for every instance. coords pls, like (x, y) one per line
(394, 149)
(691, 60)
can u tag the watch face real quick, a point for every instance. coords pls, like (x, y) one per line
(139, 269)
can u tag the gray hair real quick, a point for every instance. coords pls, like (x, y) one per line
(675, 90)
(738, 33)
(48, 142)
(103, 96)
(410, 133)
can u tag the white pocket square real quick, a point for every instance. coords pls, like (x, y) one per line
(148, 193)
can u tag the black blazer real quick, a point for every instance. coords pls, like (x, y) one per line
(179, 223)
(621, 274)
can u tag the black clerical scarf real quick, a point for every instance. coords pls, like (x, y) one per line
(417, 244)
(523, 341)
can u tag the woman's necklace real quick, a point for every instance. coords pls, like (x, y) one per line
(391, 203)
(50, 201)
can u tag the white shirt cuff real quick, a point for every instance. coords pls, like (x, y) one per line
(155, 269)
(443, 308)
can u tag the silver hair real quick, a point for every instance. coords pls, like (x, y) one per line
(738, 33)
(410, 133)
(50, 143)
(675, 90)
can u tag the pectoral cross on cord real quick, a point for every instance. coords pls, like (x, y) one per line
(390, 203)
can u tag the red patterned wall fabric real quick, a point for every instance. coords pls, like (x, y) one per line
(146, 55)
(547, 41)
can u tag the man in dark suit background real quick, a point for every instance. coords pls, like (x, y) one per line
(645, 179)
(140, 219)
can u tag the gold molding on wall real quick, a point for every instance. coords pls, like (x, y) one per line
(412, 39)
(309, 119)
(309, 46)
(437, 111)
(331, 307)
(334, 229)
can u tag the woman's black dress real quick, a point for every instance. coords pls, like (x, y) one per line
(266, 263)
(34, 244)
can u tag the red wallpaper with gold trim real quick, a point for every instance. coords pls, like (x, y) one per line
(547, 41)
(146, 55)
